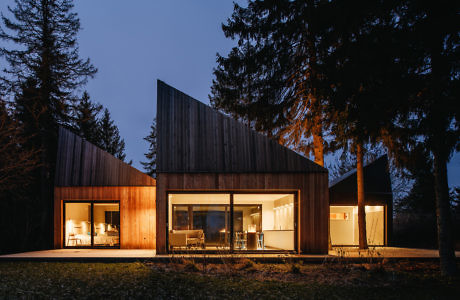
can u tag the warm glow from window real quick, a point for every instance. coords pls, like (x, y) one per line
(344, 225)
(338, 216)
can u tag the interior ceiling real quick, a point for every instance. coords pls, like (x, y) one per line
(226, 197)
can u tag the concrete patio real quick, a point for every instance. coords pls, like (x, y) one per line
(126, 255)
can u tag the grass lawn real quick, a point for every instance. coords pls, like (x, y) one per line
(239, 280)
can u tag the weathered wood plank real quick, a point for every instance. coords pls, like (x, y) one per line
(193, 137)
(311, 190)
(79, 163)
(137, 212)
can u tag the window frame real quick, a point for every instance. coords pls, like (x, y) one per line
(91, 202)
(385, 224)
(231, 193)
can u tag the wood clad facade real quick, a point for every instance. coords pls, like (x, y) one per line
(80, 163)
(86, 173)
(200, 149)
(377, 190)
(193, 137)
(311, 189)
(137, 212)
(377, 186)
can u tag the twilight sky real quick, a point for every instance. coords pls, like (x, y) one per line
(134, 44)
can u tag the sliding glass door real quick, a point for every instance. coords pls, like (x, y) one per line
(344, 225)
(77, 224)
(92, 224)
(264, 221)
(231, 221)
(199, 221)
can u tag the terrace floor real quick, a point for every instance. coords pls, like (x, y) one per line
(350, 253)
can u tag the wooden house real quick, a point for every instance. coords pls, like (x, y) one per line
(378, 200)
(220, 187)
(100, 201)
(224, 187)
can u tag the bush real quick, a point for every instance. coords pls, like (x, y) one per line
(248, 265)
(190, 266)
(295, 269)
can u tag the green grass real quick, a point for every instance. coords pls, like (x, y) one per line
(139, 280)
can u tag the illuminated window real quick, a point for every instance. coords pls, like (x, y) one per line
(339, 216)
(344, 225)
(203, 221)
(92, 224)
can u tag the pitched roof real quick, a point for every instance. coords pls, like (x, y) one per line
(193, 137)
(80, 163)
(376, 178)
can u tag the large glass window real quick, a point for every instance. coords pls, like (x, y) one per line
(92, 224)
(106, 225)
(199, 221)
(203, 221)
(263, 221)
(344, 225)
(77, 224)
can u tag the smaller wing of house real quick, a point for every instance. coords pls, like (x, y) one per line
(379, 205)
(99, 200)
(80, 163)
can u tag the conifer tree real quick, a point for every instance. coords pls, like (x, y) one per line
(273, 77)
(42, 73)
(45, 33)
(42, 56)
(110, 139)
(364, 79)
(150, 165)
(429, 113)
(16, 162)
(86, 119)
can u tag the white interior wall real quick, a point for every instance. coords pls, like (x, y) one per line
(277, 213)
(77, 217)
(346, 232)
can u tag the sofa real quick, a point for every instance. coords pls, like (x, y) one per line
(186, 238)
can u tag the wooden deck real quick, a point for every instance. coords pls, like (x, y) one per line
(128, 255)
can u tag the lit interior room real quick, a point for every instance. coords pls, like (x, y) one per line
(203, 221)
(344, 225)
(92, 224)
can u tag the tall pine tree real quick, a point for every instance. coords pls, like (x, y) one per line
(274, 78)
(43, 71)
(150, 165)
(429, 114)
(86, 119)
(110, 139)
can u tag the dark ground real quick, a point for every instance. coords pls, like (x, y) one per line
(242, 279)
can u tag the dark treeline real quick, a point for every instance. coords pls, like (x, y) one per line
(40, 85)
(326, 76)
(150, 165)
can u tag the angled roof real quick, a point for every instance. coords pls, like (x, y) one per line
(193, 137)
(376, 178)
(80, 163)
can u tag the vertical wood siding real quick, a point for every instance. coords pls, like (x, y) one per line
(312, 189)
(193, 137)
(80, 163)
(137, 212)
(377, 190)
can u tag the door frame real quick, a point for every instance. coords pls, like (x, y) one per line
(91, 202)
(231, 193)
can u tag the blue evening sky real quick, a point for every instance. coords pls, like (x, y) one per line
(135, 43)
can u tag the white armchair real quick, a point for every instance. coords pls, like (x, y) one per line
(186, 238)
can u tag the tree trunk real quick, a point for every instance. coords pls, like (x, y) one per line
(361, 205)
(318, 148)
(440, 73)
(444, 217)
